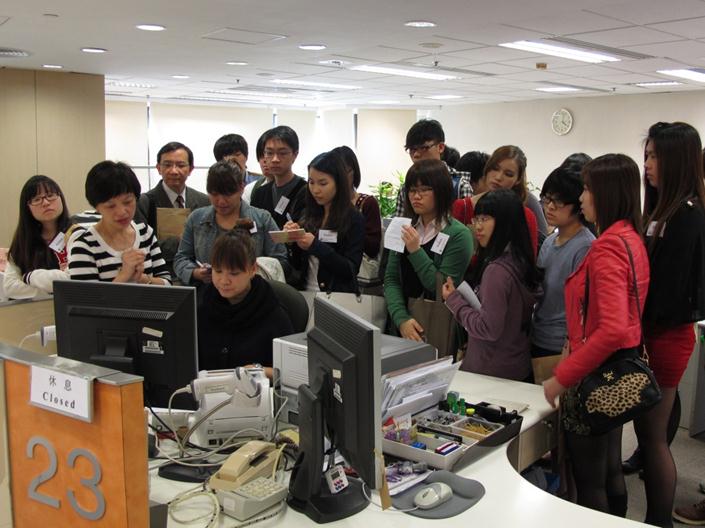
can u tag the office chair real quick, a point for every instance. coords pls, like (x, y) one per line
(293, 302)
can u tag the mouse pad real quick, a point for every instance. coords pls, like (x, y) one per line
(466, 493)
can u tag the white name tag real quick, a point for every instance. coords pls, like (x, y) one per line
(254, 228)
(58, 244)
(281, 205)
(440, 243)
(652, 229)
(62, 393)
(326, 235)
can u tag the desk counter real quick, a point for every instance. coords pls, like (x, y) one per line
(510, 500)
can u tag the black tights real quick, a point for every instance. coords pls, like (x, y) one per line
(653, 432)
(596, 463)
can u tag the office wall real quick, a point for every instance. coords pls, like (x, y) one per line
(615, 123)
(51, 123)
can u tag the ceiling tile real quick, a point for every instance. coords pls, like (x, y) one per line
(684, 50)
(536, 75)
(650, 65)
(691, 28)
(630, 36)
(491, 54)
(569, 22)
(640, 12)
(493, 34)
(242, 36)
(552, 62)
(381, 54)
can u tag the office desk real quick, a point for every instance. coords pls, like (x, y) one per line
(509, 500)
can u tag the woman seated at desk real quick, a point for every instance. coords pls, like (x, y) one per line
(37, 255)
(116, 248)
(225, 184)
(238, 312)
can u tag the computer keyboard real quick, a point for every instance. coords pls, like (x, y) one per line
(252, 498)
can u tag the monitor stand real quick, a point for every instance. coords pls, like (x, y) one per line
(327, 507)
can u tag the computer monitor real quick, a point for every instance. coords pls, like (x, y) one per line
(139, 329)
(343, 401)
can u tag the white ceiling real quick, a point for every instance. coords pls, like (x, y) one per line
(201, 37)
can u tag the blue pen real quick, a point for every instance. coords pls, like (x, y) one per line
(288, 217)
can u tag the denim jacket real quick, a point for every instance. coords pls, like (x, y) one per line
(201, 231)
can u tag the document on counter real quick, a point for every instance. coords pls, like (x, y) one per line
(392, 235)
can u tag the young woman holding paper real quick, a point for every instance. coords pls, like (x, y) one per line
(434, 242)
(507, 282)
(327, 255)
(37, 255)
(227, 211)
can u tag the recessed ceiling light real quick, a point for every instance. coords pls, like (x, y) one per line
(693, 74)
(385, 102)
(316, 84)
(333, 62)
(52, 66)
(180, 77)
(93, 50)
(312, 47)
(655, 84)
(249, 93)
(558, 89)
(560, 51)
(236, 63)
(441, 97)
(420, 24)
(403, 73)
(150, 27)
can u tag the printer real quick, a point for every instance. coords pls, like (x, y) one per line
(290, 361)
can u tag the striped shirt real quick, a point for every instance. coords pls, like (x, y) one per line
(91, 258)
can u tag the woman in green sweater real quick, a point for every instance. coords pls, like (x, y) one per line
(434, 242)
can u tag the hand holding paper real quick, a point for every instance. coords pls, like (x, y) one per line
(392, 236)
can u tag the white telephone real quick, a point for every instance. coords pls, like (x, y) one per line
(252, 460)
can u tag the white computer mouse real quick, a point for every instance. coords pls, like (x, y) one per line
(433, 495)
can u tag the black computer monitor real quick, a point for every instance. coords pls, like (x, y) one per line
(140, 329)
(343, 401)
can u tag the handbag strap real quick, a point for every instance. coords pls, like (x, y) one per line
(439, 286)
(636, 293)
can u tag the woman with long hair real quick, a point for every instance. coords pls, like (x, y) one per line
(434, 243)
(37, 255)
(674, 214)
(602, 317)
(327, 256)
(506, 279)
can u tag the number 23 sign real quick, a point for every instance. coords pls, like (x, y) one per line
(69, 472)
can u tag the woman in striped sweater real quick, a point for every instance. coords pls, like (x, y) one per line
(116, 248)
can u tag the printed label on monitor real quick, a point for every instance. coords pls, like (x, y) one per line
(337, 392)
(152, 347)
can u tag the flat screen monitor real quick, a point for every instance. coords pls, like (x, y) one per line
(139, 329)
(343, 402)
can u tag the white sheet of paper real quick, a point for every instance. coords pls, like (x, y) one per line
(326, 235)
(440, 243)
(469, 295)
(392, 236)
(281, 205)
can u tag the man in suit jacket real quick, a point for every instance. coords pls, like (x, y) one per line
(174, 164)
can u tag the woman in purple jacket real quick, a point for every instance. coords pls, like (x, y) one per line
(506, 280)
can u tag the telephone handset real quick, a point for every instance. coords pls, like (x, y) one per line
(252, 460)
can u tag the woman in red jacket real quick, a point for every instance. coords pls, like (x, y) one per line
(611, 199)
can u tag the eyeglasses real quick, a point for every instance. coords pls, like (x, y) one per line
(548, 200)
(479, 220)
(37, 200)
(420, 191)
(420, 148)
(269, 154)
(171, 164)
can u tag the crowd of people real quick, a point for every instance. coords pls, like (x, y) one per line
(532, 262)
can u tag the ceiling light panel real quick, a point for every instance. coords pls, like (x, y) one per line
(657, 84)
(93, 50)
(420, 24)
(557, 89)
(312, 47)
(693, 74)
(150, 27)
(384, 70)
(334, 86)
(543, 48)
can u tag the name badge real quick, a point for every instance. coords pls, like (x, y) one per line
(440, 243)
(282, 205)
(58, 244)
(325, 235)
(652, 229)
(254, 228)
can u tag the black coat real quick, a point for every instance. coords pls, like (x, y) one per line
(677, 284)
(262, 197)
(234, 335)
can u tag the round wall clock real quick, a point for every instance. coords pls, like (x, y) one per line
(561, 121)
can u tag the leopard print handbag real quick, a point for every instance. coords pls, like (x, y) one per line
(622, 387)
